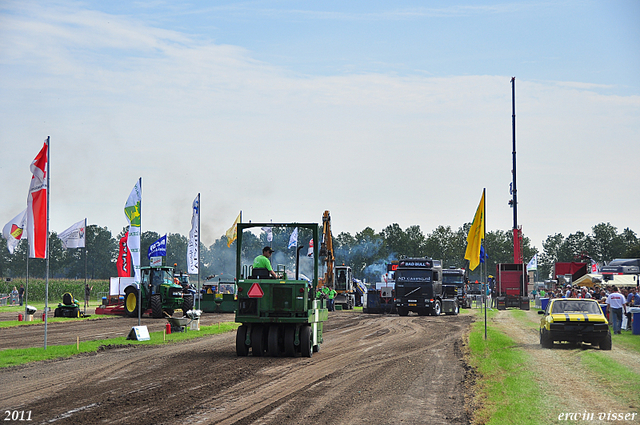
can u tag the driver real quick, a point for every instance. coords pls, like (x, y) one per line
(263, 262)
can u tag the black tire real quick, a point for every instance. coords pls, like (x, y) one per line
(545, 339)
(131, 301)
(403, 312)
(605, 343)
(242, 349)
(156, 306)
(273, 349)
(257, 341)
(56, 312)
(437, 309)
(187, 304)
(289, 341)
(456, 310)
(306, 341)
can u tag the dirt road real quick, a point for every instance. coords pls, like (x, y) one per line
(371, 369)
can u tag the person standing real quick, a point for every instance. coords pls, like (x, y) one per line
(616, 303)
(87, 295)
(21, 293)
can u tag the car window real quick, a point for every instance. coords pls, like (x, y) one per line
(587, 307)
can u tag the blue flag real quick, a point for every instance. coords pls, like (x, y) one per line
(483, 255)
(158, 248)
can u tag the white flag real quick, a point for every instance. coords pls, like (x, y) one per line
(269, 232)
(193, 248)
(132, 209)
(73, 237)
(293, 240)
(310, 250)
(533, 264)
(15, 230)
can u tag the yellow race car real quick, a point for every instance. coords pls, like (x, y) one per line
(575, 320)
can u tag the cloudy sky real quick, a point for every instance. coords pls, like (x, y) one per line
(380, 112)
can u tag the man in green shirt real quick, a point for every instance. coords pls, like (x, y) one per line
(263, 262)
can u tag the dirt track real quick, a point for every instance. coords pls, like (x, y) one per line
(371, 369)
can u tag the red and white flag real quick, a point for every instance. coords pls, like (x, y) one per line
(14, 231)
(123, 262)
(37, 205)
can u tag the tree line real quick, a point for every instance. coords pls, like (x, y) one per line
(368, 252)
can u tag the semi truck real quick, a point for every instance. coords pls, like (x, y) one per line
(418, 286)
(511, 286)
(454, 282)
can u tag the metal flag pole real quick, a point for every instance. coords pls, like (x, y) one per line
(26, 290)
(46, 290)
(134, 267)
(484, 227)
(85, 265)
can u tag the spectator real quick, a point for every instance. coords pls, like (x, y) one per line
(87, 295)
(616, 303)
(14, 296)
(21, 293)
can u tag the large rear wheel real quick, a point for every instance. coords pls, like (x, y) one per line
(242, 349)
(187, 304)
(306, 341)
(131, 301)
(257, 341)
(273, 341)
(290, 341)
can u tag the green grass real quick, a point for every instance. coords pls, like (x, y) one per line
(505, 388)
(18, 356)
(621, 380)
(627, 341)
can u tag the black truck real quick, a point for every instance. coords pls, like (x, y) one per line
(454, 282)
(419, 286)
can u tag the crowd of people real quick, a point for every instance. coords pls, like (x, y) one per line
(618, 301)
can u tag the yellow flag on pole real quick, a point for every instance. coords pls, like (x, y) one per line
(232, 233)
(475, 236)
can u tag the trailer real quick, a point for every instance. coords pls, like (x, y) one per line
(511, 286)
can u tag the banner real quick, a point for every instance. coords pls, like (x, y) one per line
(293, 239)
(37, 205)
(475, 236)
(132, 209)
(123, 262)
(232, 233)
(73, 237)
(158, 248)
(310, 250)
(533, 264)
(15, 230)
(193, 249)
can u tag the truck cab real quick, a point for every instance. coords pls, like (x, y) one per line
(454, 281)
(418, 286)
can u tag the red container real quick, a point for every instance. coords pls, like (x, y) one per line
(20, 317)
(43, 316)
(168, 327)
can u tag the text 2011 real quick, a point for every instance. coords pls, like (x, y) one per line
(17, 415)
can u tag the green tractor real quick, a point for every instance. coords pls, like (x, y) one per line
(279, 317)
(159, 293)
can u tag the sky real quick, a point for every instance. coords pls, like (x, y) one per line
(380, 112)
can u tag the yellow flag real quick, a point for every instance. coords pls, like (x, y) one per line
(232, 233)
(475, 236)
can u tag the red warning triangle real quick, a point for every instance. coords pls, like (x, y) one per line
(255, 291)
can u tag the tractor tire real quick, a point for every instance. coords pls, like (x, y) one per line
(187, 304)
(131, 301)
(257, 341)
(56, 312)
(156, 306)
(605, 343)
(306, 341)
(242, 349)
(273, 349)
(290, 341)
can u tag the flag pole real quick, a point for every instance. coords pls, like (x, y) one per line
(134, 267)
(85, 264)
(484, 226)
(199, 213)
(46, 290)
(26, 290)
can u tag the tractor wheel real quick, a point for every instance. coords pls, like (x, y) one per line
(131, 301)
(56, 312)
(257, 341)
(403, 312)
(290, 341)
(437, 309)
(242, 349)
(187, 304)
(156, 306)
(272, 342)
(605, 344)
(306, 341)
